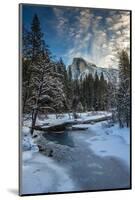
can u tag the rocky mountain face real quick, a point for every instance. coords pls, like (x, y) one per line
(80, 68)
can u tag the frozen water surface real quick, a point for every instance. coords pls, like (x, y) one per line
(95, 159)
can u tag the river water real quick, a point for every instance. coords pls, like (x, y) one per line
(87, 170)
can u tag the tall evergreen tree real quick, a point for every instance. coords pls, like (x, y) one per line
(123, 106)
(111, 96)
(26, 44)
(103, 93)
(43, 90)
(90, 92)
(26, 66)
(96, 92)
(37, 44)
(47, 90)
(70, 89)
(34, 47)
(61, 69)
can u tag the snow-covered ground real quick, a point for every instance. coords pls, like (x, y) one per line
(98, 158)
(41, 174)
(112, 141)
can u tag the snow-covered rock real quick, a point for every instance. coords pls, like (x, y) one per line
(80, 68)
(27, 141)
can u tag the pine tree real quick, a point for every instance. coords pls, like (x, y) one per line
(83, 93)
(26, 67)
(103, 93)
(90, 92)
(43, 88)
(123, 103)
(86, 92)
(26, 44)
(70, 90)
(33, 47)
(26, 78)
(96, 92)
(79, 107)
(61, 69)
(111, 96)
(47, 90)
(37, 44)
(74, 107)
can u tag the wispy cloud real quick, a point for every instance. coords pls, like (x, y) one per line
(94, 36)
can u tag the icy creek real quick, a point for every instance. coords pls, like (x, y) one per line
(94, 159)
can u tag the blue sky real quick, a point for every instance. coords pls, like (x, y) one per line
(94, 34)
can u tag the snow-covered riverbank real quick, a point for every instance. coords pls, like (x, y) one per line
(42, 175)
(109, 141)
(98, 158)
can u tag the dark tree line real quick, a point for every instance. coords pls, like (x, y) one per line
(92, 93)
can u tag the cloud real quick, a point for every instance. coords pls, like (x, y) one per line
(120, 29)
(109, 38)
(80, 31)
(93, 36)
(61, 20)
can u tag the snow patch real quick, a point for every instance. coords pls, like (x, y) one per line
(42, 175)
(81, 126)
(111, 142)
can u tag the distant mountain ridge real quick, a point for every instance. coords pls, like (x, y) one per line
(80, 68)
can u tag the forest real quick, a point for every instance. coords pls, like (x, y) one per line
(48, 87)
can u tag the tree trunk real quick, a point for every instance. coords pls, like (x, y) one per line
(26, 93)
(34, 117)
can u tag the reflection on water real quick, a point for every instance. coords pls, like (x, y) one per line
(60, 138)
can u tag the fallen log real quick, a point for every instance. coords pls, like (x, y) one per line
(52, 128)
(61, 127)
(74, 128)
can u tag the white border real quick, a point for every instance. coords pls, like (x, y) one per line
(9, 98)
